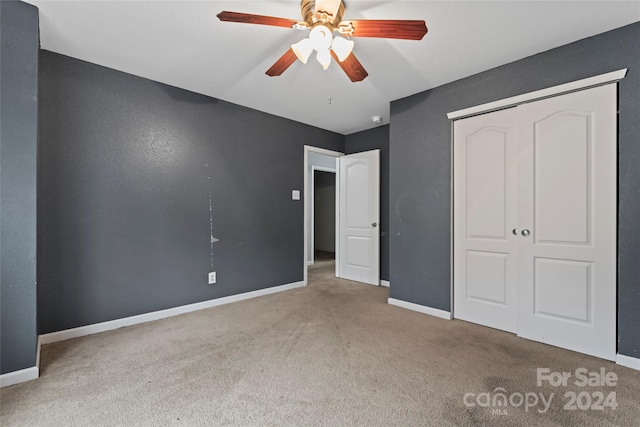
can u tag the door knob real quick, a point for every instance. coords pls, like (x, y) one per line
(374, 225)
(525, 232)
(515, 231)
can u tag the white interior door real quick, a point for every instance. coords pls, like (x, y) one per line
(359, 235)
(567, 214)
(485, 212)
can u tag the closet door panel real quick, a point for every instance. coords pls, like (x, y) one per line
(486, 152)
(484, 214)
(562, 178)
(567, 202)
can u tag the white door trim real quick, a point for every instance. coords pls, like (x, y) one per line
(307, 150)
(599, 80)
(312, 190)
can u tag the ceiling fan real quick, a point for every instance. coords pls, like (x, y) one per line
(322, 18)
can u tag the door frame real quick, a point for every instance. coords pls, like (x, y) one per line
(312, 195)
(311, 149)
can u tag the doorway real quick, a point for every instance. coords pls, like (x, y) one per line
(323, 215)
(357, 212)
(315, 159)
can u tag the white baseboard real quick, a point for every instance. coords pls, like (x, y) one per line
(421, 308)
(385, 283)
(32, 373)
(20, 376)
(628, 361)
(157, 315)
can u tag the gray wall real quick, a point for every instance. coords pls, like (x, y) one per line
(18, 144)
(420, 168)
(127, 169)
(377, 138)
(324, 212)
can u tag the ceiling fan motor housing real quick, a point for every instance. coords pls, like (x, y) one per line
(329, 17)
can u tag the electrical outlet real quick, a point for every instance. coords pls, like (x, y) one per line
(212, 277)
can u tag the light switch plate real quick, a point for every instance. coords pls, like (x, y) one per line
(295, 194)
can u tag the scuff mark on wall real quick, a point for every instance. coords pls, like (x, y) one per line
(212, 239)
(413, 230)
(399, 214)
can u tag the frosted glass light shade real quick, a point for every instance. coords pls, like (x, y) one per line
(303, 49)
(342, 48)
(320, 37)
(324, 58)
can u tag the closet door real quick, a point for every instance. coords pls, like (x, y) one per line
(567, 221)
(485, 206)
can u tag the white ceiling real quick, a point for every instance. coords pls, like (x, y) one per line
(183, 44)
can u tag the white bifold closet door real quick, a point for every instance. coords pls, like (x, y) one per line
(485, 203)
(535, 220)
(567, 199)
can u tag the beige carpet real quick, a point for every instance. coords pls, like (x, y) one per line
(333, 354)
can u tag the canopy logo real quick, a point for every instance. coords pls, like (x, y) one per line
(595, 393)
(499, 401)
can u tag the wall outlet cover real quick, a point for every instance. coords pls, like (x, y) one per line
(295, 194)
(212, 277)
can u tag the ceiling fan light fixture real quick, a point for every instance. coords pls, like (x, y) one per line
(321, 37)
(322, 18)
(324, 58)
(342, 47)
(303, 49)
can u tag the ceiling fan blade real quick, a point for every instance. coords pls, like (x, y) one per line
(387, 28)
(352, 67)
(249, 18)
(282, 64)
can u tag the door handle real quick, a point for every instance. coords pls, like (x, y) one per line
(526, 232)
(374, 225)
